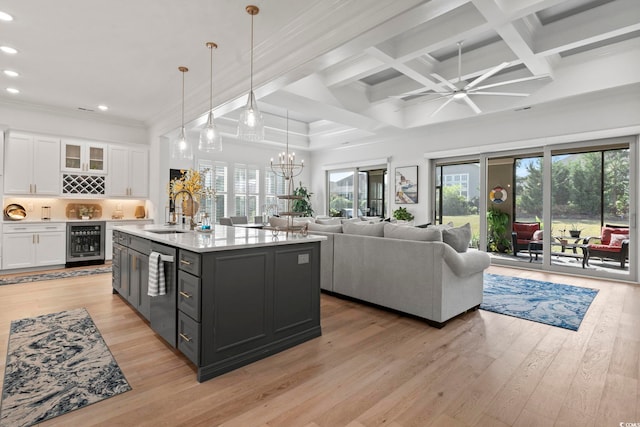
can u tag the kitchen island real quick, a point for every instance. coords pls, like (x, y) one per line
(233, 296)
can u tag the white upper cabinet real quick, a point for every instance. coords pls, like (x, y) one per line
(129, 172)
(29, 168)
(84, 157)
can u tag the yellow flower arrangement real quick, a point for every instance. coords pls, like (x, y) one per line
(191, 181)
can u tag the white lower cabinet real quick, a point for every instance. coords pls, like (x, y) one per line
(33, 245)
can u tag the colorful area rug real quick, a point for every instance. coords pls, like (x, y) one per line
(54, 275)
(56, 363)
(544, 302)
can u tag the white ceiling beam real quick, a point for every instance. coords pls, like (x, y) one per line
(515, 9)
(416, 70)
(516, 35)
(597, 24)
(396, 26)
(441, 32)
(332, 113)
(352, 70)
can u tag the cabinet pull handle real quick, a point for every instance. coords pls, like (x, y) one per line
(135, 267)
(38, 238)
(185, 262)
(30, 188)
(184, 294)
(35, 188)
(33, 239)
(184, 337)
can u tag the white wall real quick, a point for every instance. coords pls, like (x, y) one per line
(91, 126)
(600, 115)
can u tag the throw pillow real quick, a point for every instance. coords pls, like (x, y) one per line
(537, 235)
(441, 226)
(458, 237)
(393, 231)
(363, 228)
(328, 221)
(371, 219)
(617, 239)
(327, 228)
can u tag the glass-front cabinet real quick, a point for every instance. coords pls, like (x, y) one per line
(83, 156)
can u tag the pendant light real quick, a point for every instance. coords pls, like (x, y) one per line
(250, 124)
(181, 149)
(210, 137)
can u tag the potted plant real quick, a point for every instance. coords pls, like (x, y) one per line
(303, 204)
(497, 220)
(402, 214)
(574, 231)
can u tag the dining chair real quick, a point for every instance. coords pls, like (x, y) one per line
(239, 220)
(226, 221)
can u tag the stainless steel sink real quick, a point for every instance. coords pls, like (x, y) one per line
(167, 231)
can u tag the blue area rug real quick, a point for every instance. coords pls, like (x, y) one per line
(54, 275)
(56, 363)
(544, 302)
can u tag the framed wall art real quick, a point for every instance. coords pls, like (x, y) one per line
(407, 185)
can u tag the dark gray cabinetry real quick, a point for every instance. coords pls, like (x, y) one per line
(163, 308)
(244, 305)
(225, 309)
(131, 280)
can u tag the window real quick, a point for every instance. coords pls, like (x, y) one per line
(274, 185)
(460, 181)
(246, 186)
(215, 176)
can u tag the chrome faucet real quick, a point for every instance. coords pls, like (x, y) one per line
(192, 223)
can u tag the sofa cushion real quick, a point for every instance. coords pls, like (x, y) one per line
(327, 228)
(328, 221)
(363, 228)
(404, 232)
(371, 219)
(345, 220)
(605, 237)
(525, 230)
(617, 239)
(458, 237)
(605, 248)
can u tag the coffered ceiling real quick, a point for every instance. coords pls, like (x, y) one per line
(345, 70)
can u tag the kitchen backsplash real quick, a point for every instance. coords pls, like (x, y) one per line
(63, 209)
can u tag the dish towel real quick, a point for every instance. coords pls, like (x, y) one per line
(157, 284)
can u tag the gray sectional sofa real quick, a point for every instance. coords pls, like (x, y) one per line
(411, 270)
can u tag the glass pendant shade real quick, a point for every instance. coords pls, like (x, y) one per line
(210, 136)
(251, 123)
(181, 148)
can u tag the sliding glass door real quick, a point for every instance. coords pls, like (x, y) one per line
(458, 196)
(357, 192)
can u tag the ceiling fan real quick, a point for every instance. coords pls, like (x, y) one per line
(461, 90)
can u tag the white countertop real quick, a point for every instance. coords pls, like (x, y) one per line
(222, 238)
(41, 221)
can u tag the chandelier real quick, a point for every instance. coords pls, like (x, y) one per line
(286, 166)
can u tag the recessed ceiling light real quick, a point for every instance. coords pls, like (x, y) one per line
(11, 73)
(103, 107)
(13, 90)
(9, 50)
(4, 16)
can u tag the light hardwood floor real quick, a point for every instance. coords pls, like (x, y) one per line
(370, 367)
